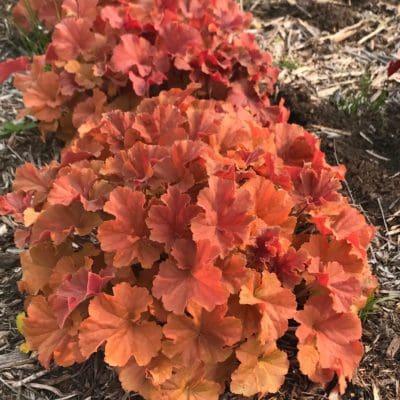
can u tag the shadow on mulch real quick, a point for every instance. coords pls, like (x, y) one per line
(369, 177)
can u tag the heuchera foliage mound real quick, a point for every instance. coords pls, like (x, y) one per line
(107, 54)
(184, 239)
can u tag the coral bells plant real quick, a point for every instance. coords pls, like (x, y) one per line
(183, 240)
(107, 55)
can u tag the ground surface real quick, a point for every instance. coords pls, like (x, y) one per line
(324, 49)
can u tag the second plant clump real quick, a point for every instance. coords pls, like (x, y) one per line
(187, 226)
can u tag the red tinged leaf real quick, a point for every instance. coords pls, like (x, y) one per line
(343, 287)
(276, 304)
(80, 8)
(127, 235)
(171, 221)
(13, 65)
(137, 165)
(150, 64)
(262, 368)
(78, 183)
(72, 38)
(133, 51)
(116, 320)
(337, 336)
(45, 336)
(314, 187)
(194, 278)
(178, 38)
(344, 223)
(74, 290)
(15, 203)
(226, 218)
(206, 336)
(294, 145)
(393, 67)
(29, 179)
(290, 266)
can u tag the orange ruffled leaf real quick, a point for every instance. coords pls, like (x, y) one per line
(276, 304)
(116, 320)
(127, 235)
(171, 221)
(226, 219)
(206, 336)
(262, 368)
(195, 279)
(337, 337)
(44, 335)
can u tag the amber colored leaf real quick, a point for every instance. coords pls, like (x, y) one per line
(37, 265)
(191, 384)
(192, 278)
(163, 126)
(127, 235)
(309, 359)
(234, 271)
(145, 379)
(116, 321)
(273, 206)
(11, 66)
(249, 316)
(75, 289)
(206, 336)
(171, 221)
(276, 304)
(58, 222)
(226, 219)
(44, 98)
(262, 368)
(337, 336)
(330, 249)
(44, 335)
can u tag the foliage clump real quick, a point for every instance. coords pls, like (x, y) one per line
(184, 239)
(107, 54)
